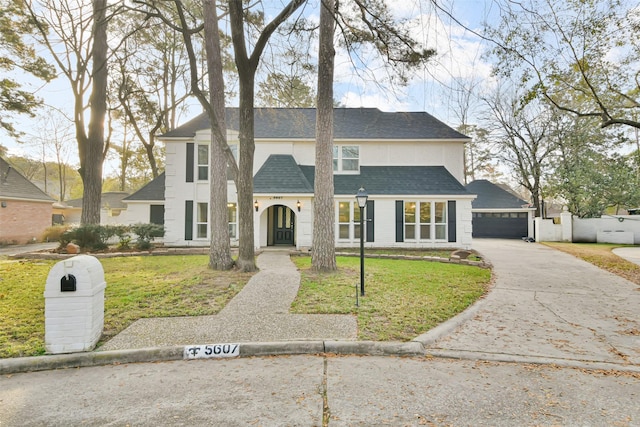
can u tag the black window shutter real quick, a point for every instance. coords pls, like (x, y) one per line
(451, 212)
(399, 221)
(188, 220)
(190, 161)
(370, 216)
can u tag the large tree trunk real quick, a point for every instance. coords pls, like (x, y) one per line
(91, 165)
(220, 248)
(246, 253)
(323, 255)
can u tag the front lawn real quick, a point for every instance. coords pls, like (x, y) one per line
(137, 287)
(403, 298)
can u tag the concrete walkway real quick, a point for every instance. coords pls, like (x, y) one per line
(258, 313)
(545, 304)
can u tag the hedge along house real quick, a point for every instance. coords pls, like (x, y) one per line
(410, 163)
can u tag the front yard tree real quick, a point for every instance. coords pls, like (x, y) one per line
(323, 256)
(585, 50)
(75, 35)
(16, 55)
(150, 80)
(247, 65)
(523, 138)
(361, 23)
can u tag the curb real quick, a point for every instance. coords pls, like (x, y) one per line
(247, 349)
(532, 360)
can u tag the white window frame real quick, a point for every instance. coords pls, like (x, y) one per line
(202, 164)
(202, 223)
(339, 159)
(433, 226)
(353, 223)
(232, 215)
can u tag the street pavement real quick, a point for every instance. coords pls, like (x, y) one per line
(555, 342)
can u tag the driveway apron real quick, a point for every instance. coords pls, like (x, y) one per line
(546, 303)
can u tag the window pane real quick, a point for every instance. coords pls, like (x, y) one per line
(441, 232)
(356, 213)
(202, 230)
(410, 231)
(202, 212)
(203, 154)
(343, 212)
(441, 212)
(349, 165)
(232, 231)
(343, 231)
(425, 232)
(425, 212)
(410, 212)
(356, 231)
(231, 209)
(350, 152)
(203, 173)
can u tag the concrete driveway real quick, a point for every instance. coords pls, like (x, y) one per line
(547, 304)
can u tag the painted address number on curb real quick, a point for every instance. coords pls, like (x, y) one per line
(211, 351)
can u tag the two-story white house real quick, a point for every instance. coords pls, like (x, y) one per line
(410, 164)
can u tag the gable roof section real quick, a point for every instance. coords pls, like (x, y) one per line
(492, 196)
(153, 190)
(281, 175)
(348, 123)
(14, 185)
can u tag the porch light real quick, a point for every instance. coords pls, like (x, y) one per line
(299, 205)
(256, 205)
(362, 197)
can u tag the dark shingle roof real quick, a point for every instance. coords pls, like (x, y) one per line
(14, 185)
(281, 174)
(153, 190)
(349, 123)
(491, 196)
(110, 200)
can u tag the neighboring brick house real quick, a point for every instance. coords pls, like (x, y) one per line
(25, 210)
(410, 163)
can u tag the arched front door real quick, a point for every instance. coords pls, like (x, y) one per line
(283, 222)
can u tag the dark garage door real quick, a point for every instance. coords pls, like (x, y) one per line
(503, 225)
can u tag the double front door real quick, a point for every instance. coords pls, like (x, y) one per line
(283, 225)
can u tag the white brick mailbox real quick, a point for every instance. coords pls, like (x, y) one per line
(74, 305)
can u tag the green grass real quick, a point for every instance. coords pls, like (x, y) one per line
(404, 298)
(137, 287)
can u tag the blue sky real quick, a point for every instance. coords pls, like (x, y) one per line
(431, 89)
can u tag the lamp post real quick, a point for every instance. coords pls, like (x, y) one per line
(361, 197)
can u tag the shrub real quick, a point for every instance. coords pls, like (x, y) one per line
(54, 233)
(146, 233)
(89, 236)
(124, 236)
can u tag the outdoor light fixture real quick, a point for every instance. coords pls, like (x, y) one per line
(299, 205)
(362, 197)
(255, 205)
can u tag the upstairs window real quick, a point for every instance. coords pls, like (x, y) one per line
(346, 158)
(203, 162)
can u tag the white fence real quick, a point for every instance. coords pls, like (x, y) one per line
(620, 229)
